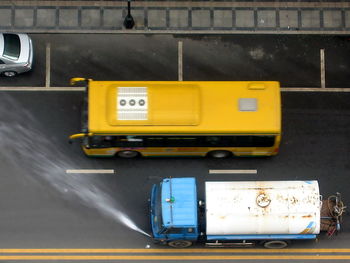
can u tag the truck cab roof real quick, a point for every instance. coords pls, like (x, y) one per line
(179, 202)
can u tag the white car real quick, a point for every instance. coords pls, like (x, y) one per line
(16, 54)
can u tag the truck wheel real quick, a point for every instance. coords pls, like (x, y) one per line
(127, 154)
(219, 154)
(180, 243)
(276, 244)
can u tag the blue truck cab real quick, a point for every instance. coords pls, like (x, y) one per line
(174, 214)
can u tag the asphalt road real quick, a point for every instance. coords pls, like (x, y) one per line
(43, 207)
(294, 60)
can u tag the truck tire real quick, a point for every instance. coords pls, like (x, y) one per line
(127, 154)
(180, 243)
(275, 244)
(219, 154)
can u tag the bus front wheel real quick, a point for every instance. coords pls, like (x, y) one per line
(180, 243)
(219, 154)
(275, 244)
(127, 154)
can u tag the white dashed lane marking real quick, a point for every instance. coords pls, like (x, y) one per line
(90, 171)
(233, 171)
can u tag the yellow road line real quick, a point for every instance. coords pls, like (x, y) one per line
(178, 257)
(169, 251)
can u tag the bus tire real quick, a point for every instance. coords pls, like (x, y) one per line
(275, 244)
(127, 154)
(219, 154)
(180, 243)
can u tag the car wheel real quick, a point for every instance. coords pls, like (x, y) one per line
(219, 154)
(9, 73)
(180, 243)
(127, 154)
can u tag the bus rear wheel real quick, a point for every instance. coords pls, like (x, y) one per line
(180, 243)
(219, 154)
(275, 244)
(127, 154)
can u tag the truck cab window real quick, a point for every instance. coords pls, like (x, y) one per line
(173, 230)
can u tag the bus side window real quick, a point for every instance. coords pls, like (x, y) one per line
(154, 141)
(244, 141)
(101, 141)
(252, 141)
(95, 141)
(182, 141)
(129, 141)
(213, 141)
(264, 141)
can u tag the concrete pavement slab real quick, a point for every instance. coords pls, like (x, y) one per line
(178, 18)
(201, 18)
(68, 17)
(112, 17)
(223, 18)
(24, 17)
(266, 18)
(139, 17)
(288, 19)
(91, 17)
(310, 18)
(332, 18)
(245, 19)
(347, 19)
(157, 18)
(5, 17)
(46, 17)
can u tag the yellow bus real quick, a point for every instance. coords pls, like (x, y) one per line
(181, 118)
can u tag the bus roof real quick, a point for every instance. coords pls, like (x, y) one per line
(186, 107)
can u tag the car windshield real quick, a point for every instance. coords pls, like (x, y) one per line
(12, 46)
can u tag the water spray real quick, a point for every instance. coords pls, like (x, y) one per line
(20, 137)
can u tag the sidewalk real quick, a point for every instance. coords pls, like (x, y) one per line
(213, 17)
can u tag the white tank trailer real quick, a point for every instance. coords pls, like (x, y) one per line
(241, 213)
